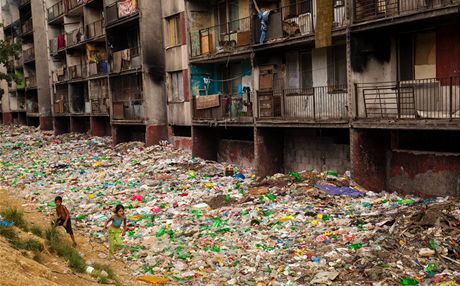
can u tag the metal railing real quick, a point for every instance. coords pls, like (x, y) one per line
(27, 26)
(120, 10)
(75, 37)
(229, 107)
(221, 38)
(78, 71)
(74, 3)
(365, 10)
(95, 29)
(434, 98)
(99, 106)
(99, 68)
(340, 17)
(124, 60)
(60, 75)
(56, 11)
(324, 103)
(28, 54)
(128, 109)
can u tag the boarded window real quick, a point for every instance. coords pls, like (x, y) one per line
(174, 36)
(425, 55)
(176, 87)
(337, 66)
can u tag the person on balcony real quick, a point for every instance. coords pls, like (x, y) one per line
(263, 15)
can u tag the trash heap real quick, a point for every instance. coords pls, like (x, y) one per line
(191, 224)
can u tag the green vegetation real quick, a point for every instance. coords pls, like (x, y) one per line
(15, 216)
(64, 250)
(98, 268)
(36, 231)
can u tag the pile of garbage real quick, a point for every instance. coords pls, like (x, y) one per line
(196, 222)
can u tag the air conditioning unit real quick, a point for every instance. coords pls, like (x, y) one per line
(305, 24)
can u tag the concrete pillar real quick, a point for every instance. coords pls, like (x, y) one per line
(205, 143)
(268, 148)
(369, 157)
(155, 133)
(46, 123)
(7, 118)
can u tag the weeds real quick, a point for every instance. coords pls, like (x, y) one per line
(15, 216)
(36, 231)
(98, 268)
(8, 232)
(63, 249)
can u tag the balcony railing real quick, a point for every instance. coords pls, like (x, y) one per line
(99, 106)
(365, 10)
(28, 54)
(57, 44)
(75, 3)
(99, 96)
(222, 38)
(120, 10)
(423, 99)
(61, 101)
(56, 11)
(220, 107)
(60, 75)
(325, 103)
(95, 29)
(340, 18)
(125, 60)
(129, 109)
(79, 71)
(100, 68)
(75, 37)
(27, 26)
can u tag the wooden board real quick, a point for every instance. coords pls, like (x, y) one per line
(208, 101)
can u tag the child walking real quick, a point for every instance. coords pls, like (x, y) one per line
(63, 218)
(115, 231)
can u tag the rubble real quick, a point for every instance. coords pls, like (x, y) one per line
(191, 224)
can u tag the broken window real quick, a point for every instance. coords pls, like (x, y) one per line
(228, 14)
(417, 56)
(337, 66)
(174, 35)
(176, 87)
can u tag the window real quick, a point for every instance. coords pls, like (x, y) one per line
(174, 36)
(306, 70)
(228, 14)
(417, 56)
(337, 67)
(176, 87)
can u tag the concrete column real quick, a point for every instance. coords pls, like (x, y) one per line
(369, 157)
(205, 143)
(268, 148)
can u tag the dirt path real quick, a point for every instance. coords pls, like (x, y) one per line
(16, 269)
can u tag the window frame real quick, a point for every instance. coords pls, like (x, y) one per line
(170, 41)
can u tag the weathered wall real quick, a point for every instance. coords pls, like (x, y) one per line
(424, 173)
(179, 113)
(319, 66)
(172, 7)
(268, 151)
(448, 51)
(238, 152)
(181, 142)
(304, 149)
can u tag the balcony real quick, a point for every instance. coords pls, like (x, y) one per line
(127, 98)
(27, 27)
(290, 21)
(28, 55)
(125, 60)
(32, 105)
(369, 10)
(121, 10)
(98, 69)
(309, 105)
(99, 96)
(79, 71)
(55, 11)
(61, 104)
(434, 99)
(60, 75)
(76, 37)
(222, 107)
(95, 30)
(222, 39)
(57, 45)
(72, 4)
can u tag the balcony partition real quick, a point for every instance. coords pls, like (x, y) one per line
(422, 99)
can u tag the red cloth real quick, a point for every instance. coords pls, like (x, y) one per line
(61, 42)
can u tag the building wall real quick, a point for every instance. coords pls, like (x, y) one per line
(5, 103)
(238, 152)
(304, 149)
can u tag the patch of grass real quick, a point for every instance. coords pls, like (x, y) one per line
(98, 268)
(37, 257)
(63, 249)
(36, 230)
(15, 216)
(8, 232)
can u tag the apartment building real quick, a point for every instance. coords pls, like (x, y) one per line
(365, 85)
(28, 100)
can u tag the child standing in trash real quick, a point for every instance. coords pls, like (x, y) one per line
(63, 218)
(115, 230)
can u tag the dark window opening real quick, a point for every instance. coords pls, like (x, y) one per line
(182, 131)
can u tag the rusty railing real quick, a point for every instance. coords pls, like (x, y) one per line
(78, 71)
(74, 3)
(120, 10)
(75, 37)
(56, 11)
(95, 29)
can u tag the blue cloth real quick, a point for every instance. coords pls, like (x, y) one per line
(339, 191)
(263, 17)
(118, 221)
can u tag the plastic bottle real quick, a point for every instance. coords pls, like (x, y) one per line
(355, 246)
(408, 281)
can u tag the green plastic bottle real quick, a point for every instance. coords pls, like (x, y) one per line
(355, 246)
(408, 281)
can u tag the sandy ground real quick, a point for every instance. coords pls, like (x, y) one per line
(17, 269)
